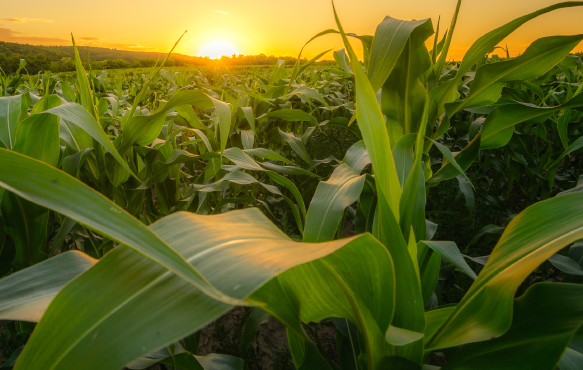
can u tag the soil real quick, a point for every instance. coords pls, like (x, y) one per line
(268, 351)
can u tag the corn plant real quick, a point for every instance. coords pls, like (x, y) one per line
(150, 168)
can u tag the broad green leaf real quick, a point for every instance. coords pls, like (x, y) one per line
(409, 309)
(357, 157)
(462, 161)
(124, 289)
(450, 252)
(26, 223)
(538, 58)
(529, 239)
(389, 41)
(292, 188)
(571, 360)
(287, 170)
(497, 129)
(297, 145)
(267, 154)
(310, 93)
(400, 337)
(403, 94)
(293, 115)
(329, 201)
(577, 144)
(143, 130)
(481, 47)
(26, 294)
(248, 113)
(9, 118)
(242, 159)
(444, 49)
(451, 160)
(404, 155)
(566, 264)
(254, 320)
(346, 284)
(78, 116)
(38, 135)
(187, 361)
(372, 125)
(84, 87)
(39, 183)
(545, 319)
(236, 177)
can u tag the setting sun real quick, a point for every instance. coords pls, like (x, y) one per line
(217, 49)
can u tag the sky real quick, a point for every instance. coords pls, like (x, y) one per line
(272, 27)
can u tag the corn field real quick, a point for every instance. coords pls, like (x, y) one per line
(138, 209)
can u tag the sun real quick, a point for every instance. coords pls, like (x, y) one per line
(217, 49)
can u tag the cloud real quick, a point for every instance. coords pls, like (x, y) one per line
(12, 36)
(9, 35)
(24, 20)
(91, 38)
(220, 12)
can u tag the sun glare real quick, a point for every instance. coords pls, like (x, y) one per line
(217, 49)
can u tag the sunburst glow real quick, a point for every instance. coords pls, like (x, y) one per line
(217, 49)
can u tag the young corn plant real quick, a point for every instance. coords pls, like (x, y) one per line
(174, 272)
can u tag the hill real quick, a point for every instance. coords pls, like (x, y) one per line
(59, 58)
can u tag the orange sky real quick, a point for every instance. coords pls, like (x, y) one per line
(275, 27)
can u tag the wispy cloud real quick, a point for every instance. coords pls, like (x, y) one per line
(13, 36)
(102, 43)
(24, 20)
(9, 35)
(220, 12)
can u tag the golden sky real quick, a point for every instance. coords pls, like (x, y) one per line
(272, 27)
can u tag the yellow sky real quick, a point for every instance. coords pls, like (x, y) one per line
(275, 27)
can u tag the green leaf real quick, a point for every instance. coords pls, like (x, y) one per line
(38, 135)
(545, 319)
(328, 204)
(256, 318)
(577, 144)
(84, 88)
(26, 294)
(497, 129)
(399, 337)
(291, 187)
(293, 115)
(357, 157)
(450, 252)
(236, 177)
(75, 114)
(403, 94)
(566, 264)
(125, 289)
(409, 309)
(9, 118)
(267, 154)
(143, 130)
(571, 360)
(481, 47)
(345, 284)
(297, 145)
(389, 41)
(26, 223)
(529, 239)
(538, 58)
(451, 160)
(287, 170)
(242, 159)
(39, 183)
(404, 155)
